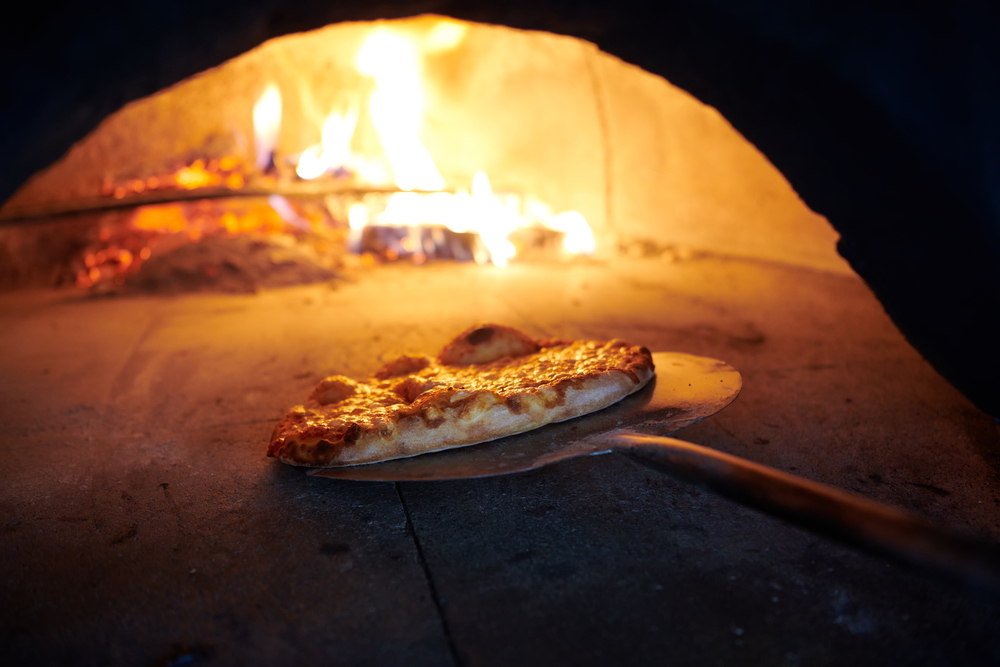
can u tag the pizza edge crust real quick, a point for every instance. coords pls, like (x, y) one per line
(483, 417)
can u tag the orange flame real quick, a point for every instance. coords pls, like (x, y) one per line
(334, 149)
(394, 60)
(267, 125)
(396, 107)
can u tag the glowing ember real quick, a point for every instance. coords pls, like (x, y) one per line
(121, 248)
(227, 172)
(196, 176)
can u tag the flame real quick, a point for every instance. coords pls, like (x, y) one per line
(334, 149)
(494, 221)
(578, 238)
(267, 126)
(396, 107)
(493, 218)
(357, 216)
(396, 104)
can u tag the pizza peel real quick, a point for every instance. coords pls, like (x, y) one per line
(687, 389)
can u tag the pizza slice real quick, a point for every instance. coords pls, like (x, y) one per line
(490, 381)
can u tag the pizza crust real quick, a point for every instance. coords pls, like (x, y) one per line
(489, 382)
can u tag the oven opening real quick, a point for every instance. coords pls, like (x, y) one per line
(326, 152)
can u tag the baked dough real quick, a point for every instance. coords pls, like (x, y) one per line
(489, 382)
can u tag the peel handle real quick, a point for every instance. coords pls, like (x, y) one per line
(824, 509)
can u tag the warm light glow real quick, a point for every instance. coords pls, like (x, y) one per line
(267, 125)
(396, 107)
(445, 35)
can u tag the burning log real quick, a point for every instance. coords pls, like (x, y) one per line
(242, 244)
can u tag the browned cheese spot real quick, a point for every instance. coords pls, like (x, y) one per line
(405, 365)
(333, 389)
(409, 389)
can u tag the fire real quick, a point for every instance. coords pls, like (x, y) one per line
(493, 221)
(578, 238)
(393, 60)
(396, 107)
(333, 151)
(267, 126)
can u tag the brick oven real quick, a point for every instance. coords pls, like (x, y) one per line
(739, 197)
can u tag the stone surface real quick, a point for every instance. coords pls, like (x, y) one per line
(141, 523)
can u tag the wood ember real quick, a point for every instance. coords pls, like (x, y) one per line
(229, 171)
(235, 246)
(421, 243)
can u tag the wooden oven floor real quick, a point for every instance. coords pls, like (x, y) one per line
(142, 522)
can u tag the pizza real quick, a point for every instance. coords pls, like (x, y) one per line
(490, 381)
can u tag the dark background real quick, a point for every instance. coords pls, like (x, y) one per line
(884, 116)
